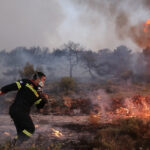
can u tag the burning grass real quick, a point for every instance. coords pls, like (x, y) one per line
(121, 134)
(131, 107)
(114, 121)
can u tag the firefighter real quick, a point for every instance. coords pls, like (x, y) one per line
(28, 93)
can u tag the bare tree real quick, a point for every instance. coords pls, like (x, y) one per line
(72, 55)
(89, 61)
(146, 54)
(27, 71)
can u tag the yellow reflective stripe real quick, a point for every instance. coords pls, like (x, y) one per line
(38, 102)
(18, 85)
(32, 89)
(27, 133)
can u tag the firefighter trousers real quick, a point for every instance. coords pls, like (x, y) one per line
(23, 123)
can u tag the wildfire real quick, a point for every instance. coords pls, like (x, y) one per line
(7, 133)
(146, 26)
(137, 107)
(140, 34)
(36, 126)
(56, 133)
(122, 111)
(94, 118)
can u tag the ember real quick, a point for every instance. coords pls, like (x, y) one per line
(36, 126)
(147, 25)
(7, 133)
(137, 107)
(122, 111)
(56, 133)
(94, 118)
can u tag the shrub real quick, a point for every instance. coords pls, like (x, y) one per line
(27, 71)
(126, 134)
(67, 85)
(126, 75)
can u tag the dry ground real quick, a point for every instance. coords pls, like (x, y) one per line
(69, 127)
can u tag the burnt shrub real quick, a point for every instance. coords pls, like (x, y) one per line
(129, 133)
(67, 85)
(27, 71)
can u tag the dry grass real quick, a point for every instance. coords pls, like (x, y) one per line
(130, 134)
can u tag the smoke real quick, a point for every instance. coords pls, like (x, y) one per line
(120, 20)
(95, 24)
(30, 23)
(54, 64)
(119, 64)
(106, 65)
(101, 100)
(146, 3)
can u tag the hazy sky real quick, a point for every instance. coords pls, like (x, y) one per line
(95, 24)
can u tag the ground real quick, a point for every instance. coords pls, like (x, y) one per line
(67, 129)
(49, 130)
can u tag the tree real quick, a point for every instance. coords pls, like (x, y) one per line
(111, 64)
(146, 54)
(67, 84)
(89, 61)
(72, 55)
(126, 75)
(27, 71)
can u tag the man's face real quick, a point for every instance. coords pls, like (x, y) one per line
(41, 81)
(43, 78)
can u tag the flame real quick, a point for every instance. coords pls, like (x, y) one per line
(146, 26)
(137, 107)
(67, 101)
(140, 34)
(7, 133)
(123, 111)
(56, 133)
(36, 126)
(148, 21)
(98, 97)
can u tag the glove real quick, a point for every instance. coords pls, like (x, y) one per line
(1, 93)
(45, 95)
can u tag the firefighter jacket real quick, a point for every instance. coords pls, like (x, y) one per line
(26, 96)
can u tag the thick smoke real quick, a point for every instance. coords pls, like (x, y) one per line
(30, 23)
(105, 66)
(94, 23)
(101, 100)
(119, 16)
(119, 64)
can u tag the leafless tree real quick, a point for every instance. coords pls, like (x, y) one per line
(72, 55)
(89, 61)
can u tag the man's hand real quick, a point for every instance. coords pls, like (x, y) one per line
(1, 93)
(45, 95)
(41, 110)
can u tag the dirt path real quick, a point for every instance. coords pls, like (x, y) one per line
(48, 128)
